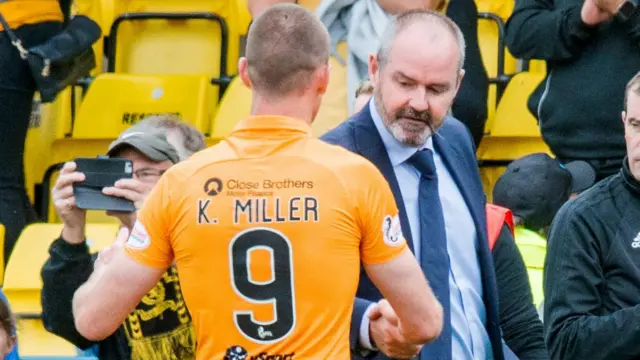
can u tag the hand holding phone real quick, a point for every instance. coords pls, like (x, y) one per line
(74, 219)
(101, 173)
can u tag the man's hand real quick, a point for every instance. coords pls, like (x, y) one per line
(385, 332)
(74, 219)
(131, 189)
(595, 12)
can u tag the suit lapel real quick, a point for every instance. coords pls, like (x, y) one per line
(453, 160)
(463, 176)
(369, 144)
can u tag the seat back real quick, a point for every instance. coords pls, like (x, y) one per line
(114, 102)
(178, 39)
(236, 105)
(514, 131)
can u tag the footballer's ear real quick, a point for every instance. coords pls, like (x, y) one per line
(243, 71)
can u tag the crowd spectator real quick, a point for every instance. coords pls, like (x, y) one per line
(592, 270)
(428, 158)
(522, 328)
(361, 23)
(34, 25)
(520, 323)
(534, 188)
(8, 338)
(307, 190)
(363, 94)
(160, 326)
(587, 48)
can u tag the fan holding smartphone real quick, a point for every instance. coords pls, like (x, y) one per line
(117, 184)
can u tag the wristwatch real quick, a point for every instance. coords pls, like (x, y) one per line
(627, 9)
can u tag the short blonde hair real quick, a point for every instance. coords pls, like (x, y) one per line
(286, 44)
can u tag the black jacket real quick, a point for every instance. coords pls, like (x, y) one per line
(470, 105)
(521, 326)
(579, 104)
(162, 314)
(592, 274)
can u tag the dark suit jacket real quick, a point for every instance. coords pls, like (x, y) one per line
(453, 142)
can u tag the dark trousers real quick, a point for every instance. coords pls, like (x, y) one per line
(17, 89)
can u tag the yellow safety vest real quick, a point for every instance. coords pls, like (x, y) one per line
(533, 248)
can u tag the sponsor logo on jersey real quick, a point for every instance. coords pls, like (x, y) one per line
(392, 231)
(139, 239)
(239, 353)
(213, 187)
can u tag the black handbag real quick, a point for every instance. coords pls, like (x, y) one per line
(61, 60)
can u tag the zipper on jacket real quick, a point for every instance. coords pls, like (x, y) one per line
(543, 98)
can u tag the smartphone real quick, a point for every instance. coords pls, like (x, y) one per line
(99, 174)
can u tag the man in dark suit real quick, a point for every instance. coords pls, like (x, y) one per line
(429, 161)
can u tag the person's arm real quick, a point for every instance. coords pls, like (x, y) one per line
(521, 326)
(539, 29)
(387, 259)
(68, 267)
(573, 279)
(127, 270)
(115, 288)
(419, 312)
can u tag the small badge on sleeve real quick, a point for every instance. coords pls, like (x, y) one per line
(139, 239)
(392, 231)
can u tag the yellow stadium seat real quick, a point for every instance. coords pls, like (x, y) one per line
(514, 132)
(502, 8)
(116, 101)
(236, 105)
(309, 4)
(174, 37)
(35, 340)
(22, 284)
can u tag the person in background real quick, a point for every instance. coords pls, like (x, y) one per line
(8, 338)
(534, 187)
(363, 94)
(160, 326)
(429, 160)
(592, 269)
(360, 23)
(520, 323)
(34, 24)
(588, 45)
(521, 326)
(186, 139)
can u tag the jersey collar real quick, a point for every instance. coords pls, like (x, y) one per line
(269, 122)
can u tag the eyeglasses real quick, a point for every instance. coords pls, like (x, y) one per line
(148, 174)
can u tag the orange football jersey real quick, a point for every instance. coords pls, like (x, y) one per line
(268, 229)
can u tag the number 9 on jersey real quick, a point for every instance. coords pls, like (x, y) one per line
(278, 291)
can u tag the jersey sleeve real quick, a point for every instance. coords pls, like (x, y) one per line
(150, 239)
(382, 239)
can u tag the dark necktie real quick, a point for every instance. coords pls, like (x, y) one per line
(434, 257)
